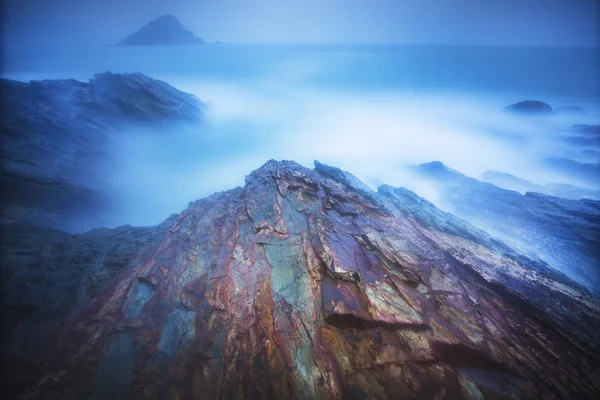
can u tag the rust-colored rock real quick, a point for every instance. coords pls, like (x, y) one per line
(306, 284)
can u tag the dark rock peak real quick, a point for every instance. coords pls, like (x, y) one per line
(273, 168)
(530, 107)
(164, 30)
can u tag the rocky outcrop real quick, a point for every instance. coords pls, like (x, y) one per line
(46, 274)
(536, 107)
(164, 30)
(587, 173)
(56, 139)
(511, 182)
(591, 155)
(582, 135)
(306, 284)
(591, 130)
(530, 107)
(586, 142)
(562, 232)
(566, 191)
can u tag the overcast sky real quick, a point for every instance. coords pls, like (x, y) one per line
(523, 22)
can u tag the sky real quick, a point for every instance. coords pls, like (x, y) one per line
(470, 22)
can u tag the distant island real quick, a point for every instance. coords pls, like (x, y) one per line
(164, 30)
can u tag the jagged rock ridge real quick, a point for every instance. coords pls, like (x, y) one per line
(564, 233)
(306, 284)
(565, 191)
(586, 173)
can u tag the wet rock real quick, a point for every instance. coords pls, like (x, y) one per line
(563, 233)
(268, 291)
(58, 137)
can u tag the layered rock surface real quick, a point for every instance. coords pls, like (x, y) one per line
(564, 233)
(586, 173)
(57, 136)
(303, 284)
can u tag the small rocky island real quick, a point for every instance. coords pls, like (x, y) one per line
(165, 30)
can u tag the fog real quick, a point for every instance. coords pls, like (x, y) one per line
(373, 110)
(374, 135)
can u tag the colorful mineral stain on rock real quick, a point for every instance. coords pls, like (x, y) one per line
(139, 294)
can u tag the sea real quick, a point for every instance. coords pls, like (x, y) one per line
(371, 109)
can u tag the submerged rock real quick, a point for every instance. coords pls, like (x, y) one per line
(569, 110)
(592, 130)
(164, 30)
(587, 173)
(529, 107)
(304, 284)
(57, 136)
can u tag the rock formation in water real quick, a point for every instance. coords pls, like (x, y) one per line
(564, 233)
(530, 107)
(301, 284)
(164, 30)
(56, 136)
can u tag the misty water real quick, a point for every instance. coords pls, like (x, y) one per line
(370, 109)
